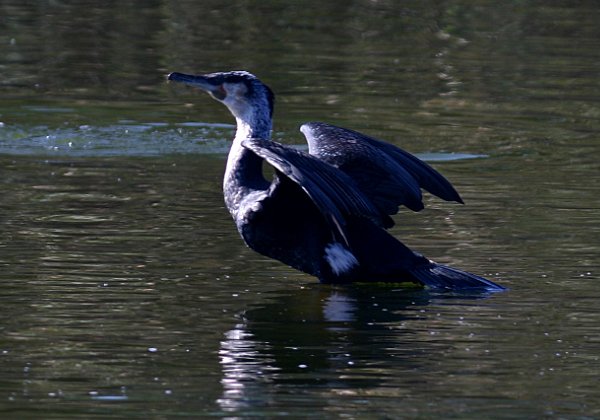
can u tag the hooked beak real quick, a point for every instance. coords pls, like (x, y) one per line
(202, 82)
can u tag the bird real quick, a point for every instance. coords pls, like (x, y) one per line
(326, 211)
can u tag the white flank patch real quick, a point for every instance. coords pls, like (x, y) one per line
(339, 258)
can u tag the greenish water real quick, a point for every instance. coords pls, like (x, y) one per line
(126, 291)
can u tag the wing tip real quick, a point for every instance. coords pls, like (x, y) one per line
(310, 126)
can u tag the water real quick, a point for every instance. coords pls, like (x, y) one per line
(126, 291)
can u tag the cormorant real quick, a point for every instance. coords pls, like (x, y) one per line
(326, 211)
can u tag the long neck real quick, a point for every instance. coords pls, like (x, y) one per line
(243, 173)
(251, 126)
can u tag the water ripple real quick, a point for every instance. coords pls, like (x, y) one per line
(129, 138)
(123, 139)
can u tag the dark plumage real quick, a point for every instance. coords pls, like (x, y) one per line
(325, 212)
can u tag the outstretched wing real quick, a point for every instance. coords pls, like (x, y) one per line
(333, 192)
(388, 175)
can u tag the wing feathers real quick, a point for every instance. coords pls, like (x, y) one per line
(390, 173)
(332, 191)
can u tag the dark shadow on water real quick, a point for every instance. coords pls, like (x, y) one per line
(329, 340)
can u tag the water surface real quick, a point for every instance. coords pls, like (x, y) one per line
(127, 292)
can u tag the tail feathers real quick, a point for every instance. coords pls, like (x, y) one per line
(440, 276)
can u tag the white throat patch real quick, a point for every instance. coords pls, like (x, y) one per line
(339, 258)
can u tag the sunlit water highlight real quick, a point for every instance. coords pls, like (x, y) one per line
(139, 139)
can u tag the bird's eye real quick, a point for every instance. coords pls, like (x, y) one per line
(219, 93)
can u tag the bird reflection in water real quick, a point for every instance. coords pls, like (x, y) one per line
(332, 339)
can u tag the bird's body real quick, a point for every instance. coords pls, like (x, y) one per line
(326, 211)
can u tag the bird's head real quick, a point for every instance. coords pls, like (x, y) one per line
(243, 93)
